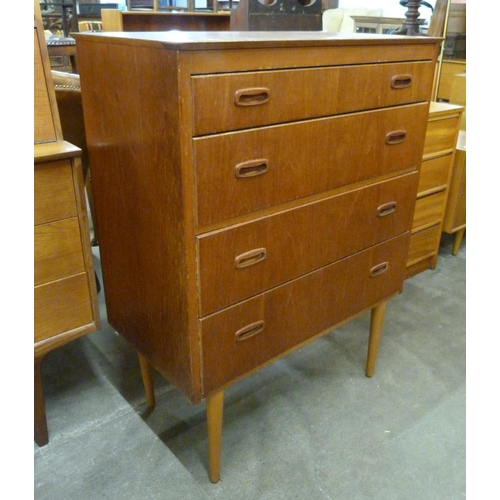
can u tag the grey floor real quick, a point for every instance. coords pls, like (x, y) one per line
(309, 427)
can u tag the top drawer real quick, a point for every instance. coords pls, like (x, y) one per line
(252, 99)
(440, 137)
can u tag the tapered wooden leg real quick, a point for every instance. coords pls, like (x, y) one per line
(41, 432)
(215, 407)
(457, 241)
(147, 380)
(376, 322)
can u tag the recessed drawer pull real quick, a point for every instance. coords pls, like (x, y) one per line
(386, 209)
(401, 81)
(251, 97)
(251, 168)
(250, 258)
(395, 137)
(379, 269)
(249, 331)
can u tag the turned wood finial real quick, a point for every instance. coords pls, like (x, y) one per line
(411, 25)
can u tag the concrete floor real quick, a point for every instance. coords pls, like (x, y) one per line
(309, 427)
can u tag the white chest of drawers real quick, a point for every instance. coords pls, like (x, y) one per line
(252, 191)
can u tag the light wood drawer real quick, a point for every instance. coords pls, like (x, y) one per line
(61, 306)
(288, 315)
(423, 244)
(54, 191)
(58, 250)
(250, 99)
(440, 136)
(250, 258)
(239, 172)
(434, 173)
(429, 209)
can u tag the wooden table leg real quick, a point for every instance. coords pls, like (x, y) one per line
(41, 432)
(215, 407)
(457, 240)
(376, 322)
(147, 380)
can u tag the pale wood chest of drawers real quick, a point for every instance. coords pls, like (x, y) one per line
(65, 296)
(252, 191)
(455, 216)
(433, 186)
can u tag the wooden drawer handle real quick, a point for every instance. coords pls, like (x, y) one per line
(249, 331)
(386, 209)
(395, 137)
(250, 258)
(379, 269)
(401, 81)
(251, 97)
(251, 168)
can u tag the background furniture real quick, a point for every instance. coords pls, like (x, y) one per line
(289, 15)
(62, 48)
(455, 217)
(60, 15)
(374, 24)
(240, 248)
(341, 20)
(448, 20)
(116, 20)
(69, 103)
(433, 186)
(449, 69)
(187, 5)
(65, 296)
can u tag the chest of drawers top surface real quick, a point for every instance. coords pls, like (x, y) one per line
(221, 51)
(207, 40)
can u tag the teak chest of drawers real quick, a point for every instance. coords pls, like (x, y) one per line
(253, 190)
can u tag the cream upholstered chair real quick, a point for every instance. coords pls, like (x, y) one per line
(340, 19)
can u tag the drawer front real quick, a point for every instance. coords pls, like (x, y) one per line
(239, 339)
(250, 99)
(423, 244)
(240, 172)
(434, 173)
(247, 259)
(54, 191)
(429, 209)
(61, 306)
(58, 250)
(440, 136)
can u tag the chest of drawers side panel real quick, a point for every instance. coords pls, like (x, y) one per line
(143, 202)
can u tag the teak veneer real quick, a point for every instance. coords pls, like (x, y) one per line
(253, 191)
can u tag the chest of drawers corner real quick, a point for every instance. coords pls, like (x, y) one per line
(434, 186)
(253, 191)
